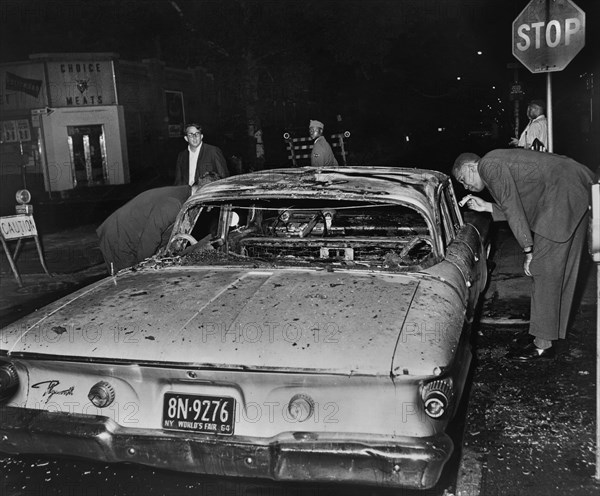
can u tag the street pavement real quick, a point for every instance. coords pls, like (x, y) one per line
(73, 259)
(529, 428)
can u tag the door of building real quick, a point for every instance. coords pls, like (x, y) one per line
(87, 148)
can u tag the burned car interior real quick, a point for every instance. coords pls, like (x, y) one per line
(389, 235)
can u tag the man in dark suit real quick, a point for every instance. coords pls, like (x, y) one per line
(544, 197)
(139, 228)
(199, 163)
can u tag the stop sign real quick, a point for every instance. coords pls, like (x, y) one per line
(548, 34)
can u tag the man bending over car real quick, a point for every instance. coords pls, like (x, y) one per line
(139, 228)
(544, 197)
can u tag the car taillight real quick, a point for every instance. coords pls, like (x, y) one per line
(102, 394)
(437, 397)
(9, 380)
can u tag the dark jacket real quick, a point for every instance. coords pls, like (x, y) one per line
(537, 192)
(139, 228)
(322, 154)
(211, 163)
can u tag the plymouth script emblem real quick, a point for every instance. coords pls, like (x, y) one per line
(51, 389)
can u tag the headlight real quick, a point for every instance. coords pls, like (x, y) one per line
(438, 397)
(9, 380)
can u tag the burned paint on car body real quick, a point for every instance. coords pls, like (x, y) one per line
(302, 325)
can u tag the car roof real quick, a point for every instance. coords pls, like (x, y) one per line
(413, 186)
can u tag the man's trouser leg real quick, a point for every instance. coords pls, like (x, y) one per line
(571, 273)
(554, 269)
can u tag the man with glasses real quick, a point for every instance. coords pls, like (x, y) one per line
(544, 197)
(200, 163)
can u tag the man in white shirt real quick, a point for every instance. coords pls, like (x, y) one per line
(537, 128)
(200, 163)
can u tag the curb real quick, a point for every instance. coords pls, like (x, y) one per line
(470, 474)
(503, 321)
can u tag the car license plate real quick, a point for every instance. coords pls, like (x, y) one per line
(207, 414)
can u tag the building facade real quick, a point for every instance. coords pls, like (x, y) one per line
(74, 121)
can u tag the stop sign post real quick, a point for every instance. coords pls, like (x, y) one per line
(547, 35)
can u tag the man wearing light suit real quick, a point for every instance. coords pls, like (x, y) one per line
(544, 197)
(199, 163)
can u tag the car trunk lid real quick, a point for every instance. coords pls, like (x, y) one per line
(284, 319)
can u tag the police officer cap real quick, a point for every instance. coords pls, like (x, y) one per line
(316, 124)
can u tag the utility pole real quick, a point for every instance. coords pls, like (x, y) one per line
(516, 95)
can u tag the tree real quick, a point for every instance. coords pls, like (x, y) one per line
(249, 45)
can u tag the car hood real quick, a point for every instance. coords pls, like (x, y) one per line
(281, 319)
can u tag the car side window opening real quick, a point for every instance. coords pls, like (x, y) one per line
(453, 207)
(447, 226)
(206, 223)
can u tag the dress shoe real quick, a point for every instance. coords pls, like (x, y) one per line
(521, 340)
(530, 353)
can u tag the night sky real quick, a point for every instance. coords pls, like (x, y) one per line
(430, 71)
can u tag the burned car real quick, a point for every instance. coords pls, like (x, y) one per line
(301, 325)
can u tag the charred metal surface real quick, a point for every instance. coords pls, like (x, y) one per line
(186, 304)
(352, 180)
(411, 187)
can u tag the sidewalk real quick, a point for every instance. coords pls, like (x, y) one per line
(530, 427)
(507, 297)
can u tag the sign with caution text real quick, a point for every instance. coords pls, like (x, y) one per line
(17, 226)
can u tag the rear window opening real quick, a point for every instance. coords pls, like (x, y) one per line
(296, 231)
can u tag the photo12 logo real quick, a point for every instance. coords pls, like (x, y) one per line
(271, 332)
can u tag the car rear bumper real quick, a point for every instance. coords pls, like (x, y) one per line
(299, 456)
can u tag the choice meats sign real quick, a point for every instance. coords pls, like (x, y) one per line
(76, 83)
(548, 34)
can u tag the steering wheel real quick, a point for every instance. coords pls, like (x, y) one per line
(413, 243)
(312, 223)
(181, 236)
(282, 218)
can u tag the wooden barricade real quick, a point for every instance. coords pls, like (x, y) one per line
(299, 149)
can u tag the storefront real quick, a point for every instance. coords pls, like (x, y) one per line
(74, 121)
(83, 147)
(61, 120)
